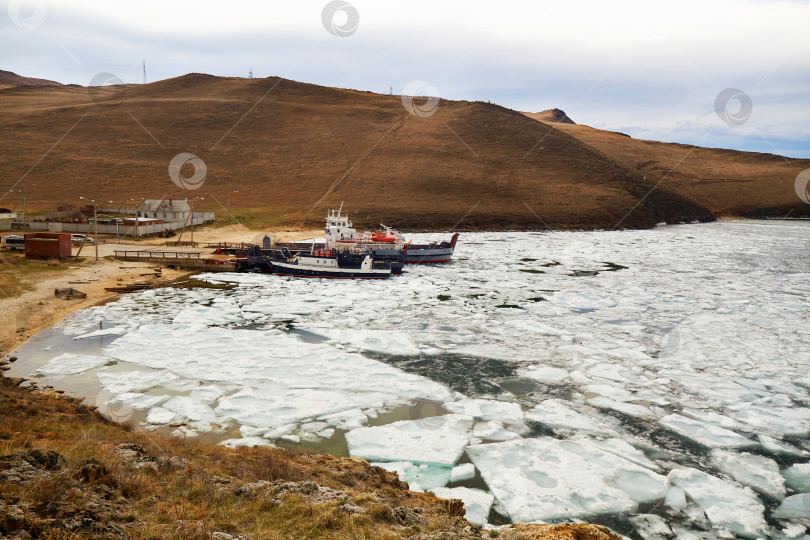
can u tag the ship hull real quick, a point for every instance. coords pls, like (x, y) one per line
(430, 254)
(293, 270)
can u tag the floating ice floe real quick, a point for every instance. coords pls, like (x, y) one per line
(556, 415)
(545, 374)
(438, 440)
(612, 372)
(462, 472)
(119, 382)
(547, 479)
(757, 472)
(708, 435)
(139, 401)
(776, 446)
(794, 507)
(676, 497)
(161, 416)
(346, 420)
(420, 477)
(493, 431)
(191, 408)
(70, 364)
(487, 409)
(477, 503)
(611, 392)
(627, 409)
(797, 477)
(207, 394)
(625, 450)
(726, 505)
(221, 312)
(772, 419)
(381, 341)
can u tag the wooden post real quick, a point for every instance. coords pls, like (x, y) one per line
(95, 227)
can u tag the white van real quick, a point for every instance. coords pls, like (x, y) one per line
(14, 241)
(80, 239)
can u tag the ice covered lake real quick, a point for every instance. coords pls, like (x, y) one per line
(653, 381)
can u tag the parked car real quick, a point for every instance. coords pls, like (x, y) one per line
(80, 239)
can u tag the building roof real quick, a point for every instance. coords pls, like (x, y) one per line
(165, 205)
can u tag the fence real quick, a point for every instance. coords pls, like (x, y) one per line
(156, 254)
(179, 259)
(124, 230)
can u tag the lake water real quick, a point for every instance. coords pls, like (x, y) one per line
(654, 381)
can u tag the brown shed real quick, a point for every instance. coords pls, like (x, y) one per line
(47, 245)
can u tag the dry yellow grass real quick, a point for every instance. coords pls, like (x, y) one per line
(189, 489)
(292, 150)
(728, 182)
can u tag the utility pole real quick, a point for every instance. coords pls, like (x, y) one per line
(95, 227)
(125, 215)
(192, 221)
(25, 210)
(144, 71)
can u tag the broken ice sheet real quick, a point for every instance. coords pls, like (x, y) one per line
(70, 364)
(708, 435)
(726, 505)
(439, 440)
(548, 479)
(558, 416)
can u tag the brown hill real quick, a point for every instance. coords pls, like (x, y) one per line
(9, 79)
(551, 116)
(292, 150)
(729, 182)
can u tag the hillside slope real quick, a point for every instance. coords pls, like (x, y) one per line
(9, 79)
(729, 182)
(292, 150)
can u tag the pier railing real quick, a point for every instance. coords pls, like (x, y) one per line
(157, 254)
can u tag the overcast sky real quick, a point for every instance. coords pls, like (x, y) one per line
(647, 68)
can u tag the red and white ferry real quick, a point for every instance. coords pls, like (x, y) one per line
(388, 242)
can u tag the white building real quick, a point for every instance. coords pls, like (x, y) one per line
(172, 211)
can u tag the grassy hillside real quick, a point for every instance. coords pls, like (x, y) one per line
(9, 79)
(730, 183)
(292, 150)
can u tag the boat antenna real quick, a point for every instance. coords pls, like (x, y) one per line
(341, 208)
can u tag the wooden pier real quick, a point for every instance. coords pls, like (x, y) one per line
(180, 259)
